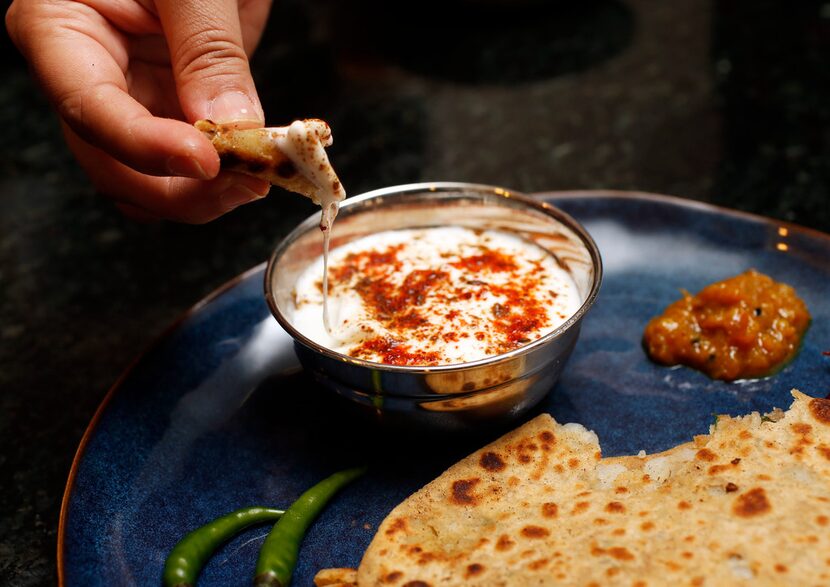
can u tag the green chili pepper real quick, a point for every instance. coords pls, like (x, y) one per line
(279, 552)
(185, 561)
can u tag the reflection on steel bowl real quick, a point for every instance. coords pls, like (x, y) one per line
(492, 389)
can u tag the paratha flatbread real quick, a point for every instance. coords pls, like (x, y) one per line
(292, 157)
(748, 504)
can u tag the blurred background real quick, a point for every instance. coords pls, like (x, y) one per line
(720, 101)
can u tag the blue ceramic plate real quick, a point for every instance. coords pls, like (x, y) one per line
(218, 415)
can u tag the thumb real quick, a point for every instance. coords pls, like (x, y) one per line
(210, 66)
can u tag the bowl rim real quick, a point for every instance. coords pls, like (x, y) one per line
(313, 221)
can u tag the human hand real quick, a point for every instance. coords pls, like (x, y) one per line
(128, 77)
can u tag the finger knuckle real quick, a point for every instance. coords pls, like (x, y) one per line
(76, 106)
(11, 19)
(70, 107)
(20, 16)
(210, 53)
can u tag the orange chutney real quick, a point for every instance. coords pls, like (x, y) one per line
(742, 327)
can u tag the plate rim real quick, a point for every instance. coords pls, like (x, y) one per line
(684, 203)
(231, 283)
(99, 411)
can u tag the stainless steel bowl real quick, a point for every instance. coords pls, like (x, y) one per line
(447, 397)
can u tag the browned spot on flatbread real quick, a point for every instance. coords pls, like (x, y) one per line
(537, 564)
(392, 577)
(550, 509)
(573, 463)
(617, 552)
(580, 507)
(547, 436)
(416, 584)
(233, 160)
(525, 458)
(752, 503)
(535, 532)
(820, 409)
(731, 487)
(618, 532)
(526, 444)
(462, 491)
(684, 505)
(824, 450)
(229, 159)
(492, 462)
(474, 570)
(705, 454)
(802, 428)
(779, 568)
(821, 520)
(286, 169)
(615, 507)
(600, 522)
(398, 525)
(646, 526)
(621, 490)
(504, 543)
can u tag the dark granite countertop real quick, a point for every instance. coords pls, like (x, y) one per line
(720, 101)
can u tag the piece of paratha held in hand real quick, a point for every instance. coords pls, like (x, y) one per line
(748, 503)
(292, 157)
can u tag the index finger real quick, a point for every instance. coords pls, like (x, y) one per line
(74, 53)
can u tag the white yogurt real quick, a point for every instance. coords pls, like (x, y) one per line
(434, 296)
(304, 142)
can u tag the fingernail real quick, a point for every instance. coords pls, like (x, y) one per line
(237, 195)
(185, 166)
(234, 107)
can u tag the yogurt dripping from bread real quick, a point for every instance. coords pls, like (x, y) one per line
(304, 145)
(292, 157)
